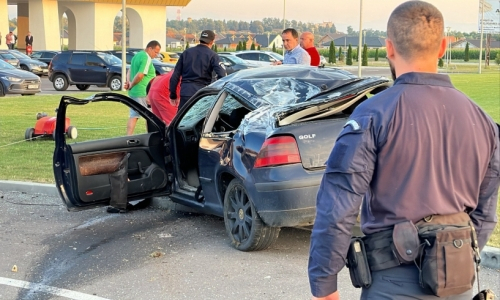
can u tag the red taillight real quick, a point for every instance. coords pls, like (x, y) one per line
(280, 150)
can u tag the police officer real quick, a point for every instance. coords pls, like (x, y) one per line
(195, 66)
(417, 149)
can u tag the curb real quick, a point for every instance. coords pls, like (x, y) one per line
(490, 256)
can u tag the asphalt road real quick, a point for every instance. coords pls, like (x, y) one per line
(145, 254)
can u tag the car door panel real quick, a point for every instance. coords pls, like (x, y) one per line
(144, 169)
(83, 170)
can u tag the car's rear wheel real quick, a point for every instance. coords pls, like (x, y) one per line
(83, 87)
(115, 83)
(243, 224)
(60, 82)
(28, 135)
(72, 133)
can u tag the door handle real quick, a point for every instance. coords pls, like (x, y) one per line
(133, 142)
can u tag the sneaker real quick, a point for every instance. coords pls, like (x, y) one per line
(115, 210)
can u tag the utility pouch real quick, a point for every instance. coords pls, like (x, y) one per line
(359, 270)
(405, 242)
(447, 264)
(485, 295)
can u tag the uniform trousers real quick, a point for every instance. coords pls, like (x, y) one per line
(402, 283)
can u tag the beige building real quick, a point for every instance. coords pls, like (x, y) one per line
(90, 22)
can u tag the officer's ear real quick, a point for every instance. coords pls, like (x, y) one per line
(390, 49)
(442, 48)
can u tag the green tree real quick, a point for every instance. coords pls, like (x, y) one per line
(225, 49)
(349, 56)
(364, 61)
(238, 48)
(244, 45)
(466, 58)
(376, 54)
(334, 58)
(187, 45)
(215, 48)
(357, 54)
(440, 63)
(330, 53)
(497, 59)
(341, 54)
(274, 47)
(258, 47)
(252, 47)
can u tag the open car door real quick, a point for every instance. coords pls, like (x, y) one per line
(83, 170)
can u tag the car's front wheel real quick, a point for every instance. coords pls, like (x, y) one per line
(243, 224)
(115, 83)
(60, 82)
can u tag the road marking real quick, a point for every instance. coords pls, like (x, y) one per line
(41, 288)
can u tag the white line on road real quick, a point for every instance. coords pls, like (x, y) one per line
(41, 288)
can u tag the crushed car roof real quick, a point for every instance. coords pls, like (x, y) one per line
(282, 85)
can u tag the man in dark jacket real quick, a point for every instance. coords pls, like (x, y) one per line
(29, 43)
(417, 149)
(195, 66)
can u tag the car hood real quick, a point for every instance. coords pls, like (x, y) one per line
(19, 73)
(32, 62)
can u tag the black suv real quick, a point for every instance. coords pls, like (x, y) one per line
(85, 68)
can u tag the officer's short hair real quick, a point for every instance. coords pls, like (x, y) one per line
(415, 28)
(153, 44)
(294, 32)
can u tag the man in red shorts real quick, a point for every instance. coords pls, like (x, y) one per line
(159, 97)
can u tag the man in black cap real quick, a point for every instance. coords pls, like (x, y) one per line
(195, 67)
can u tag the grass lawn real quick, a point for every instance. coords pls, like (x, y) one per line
(32, 161)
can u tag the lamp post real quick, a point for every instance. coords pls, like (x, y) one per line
(448, 50)
(284, 7)
(184, 39)
(124, 43)
(268, 33)
(359, 41)
(481, 2)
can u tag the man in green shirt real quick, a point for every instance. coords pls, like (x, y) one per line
(141, 71)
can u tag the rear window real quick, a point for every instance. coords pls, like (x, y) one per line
(8, 56)
(78, 59)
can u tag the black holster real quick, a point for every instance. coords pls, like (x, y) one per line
(357, 262)
(119, 185)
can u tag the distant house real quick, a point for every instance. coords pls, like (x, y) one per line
(173, 43)
(475, 44)
(231, 41)
(327, 38)
(267, 41)
(371, 42)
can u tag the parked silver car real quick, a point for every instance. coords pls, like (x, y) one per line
(28, 64)
(15, 81)
(262, 58)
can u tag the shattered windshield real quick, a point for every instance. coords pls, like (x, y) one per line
(273, 91)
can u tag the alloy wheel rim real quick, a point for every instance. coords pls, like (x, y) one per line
(240, 214)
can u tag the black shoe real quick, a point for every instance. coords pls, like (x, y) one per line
(115, 210)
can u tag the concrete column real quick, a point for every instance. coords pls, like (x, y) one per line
(146, 23)
(4, 23)
(22, 25)
(44, 22)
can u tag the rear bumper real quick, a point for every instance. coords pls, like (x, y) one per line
(287, 203)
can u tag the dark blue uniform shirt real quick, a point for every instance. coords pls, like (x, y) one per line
(195, 65)
(418, 148)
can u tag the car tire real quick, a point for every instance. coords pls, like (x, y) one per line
(60, 82)
(115, 83)
(25, 68)
(28, 135)
(2, 91)
(83, 87)
(72, 133)
(243, 224)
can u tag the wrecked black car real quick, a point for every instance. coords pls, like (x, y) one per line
(250, 148)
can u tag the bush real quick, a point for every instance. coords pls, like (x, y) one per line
(252, 47)
(364, 60)
(376, 54)
(466, 54)
(497, 58)
(349, 56)
(341, 54)
(274, 47)
(440, 63)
